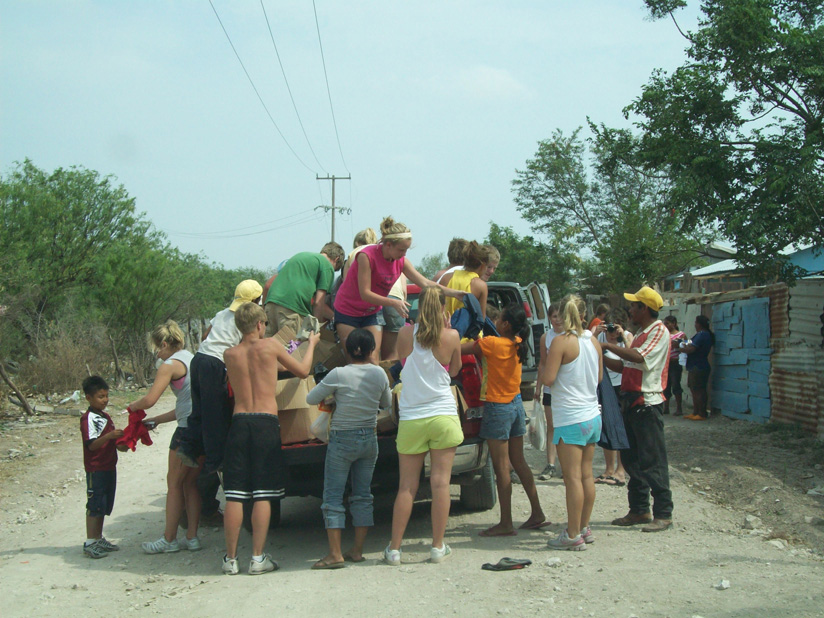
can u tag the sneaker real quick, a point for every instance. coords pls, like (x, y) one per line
(392, 557)
(547, 473)
(230, 566)
(439, 555)
(513, 478)
(107, 545)
(264, 566)
(160, 546)
(94, 550)
(563, 542)
(190, 544)
(587, 535)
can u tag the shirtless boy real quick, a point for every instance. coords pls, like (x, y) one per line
(253, 465)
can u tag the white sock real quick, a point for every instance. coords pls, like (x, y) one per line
(90, 541)
(258, 558)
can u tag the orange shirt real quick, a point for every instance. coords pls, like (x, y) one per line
(595, 322)
(502, 369)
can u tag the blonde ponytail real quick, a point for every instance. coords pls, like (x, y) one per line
(572, 311)
(430, 316)
(169, 332)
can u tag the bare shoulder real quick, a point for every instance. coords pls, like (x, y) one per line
(450, 335)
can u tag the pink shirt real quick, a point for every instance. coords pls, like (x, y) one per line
(384, 274)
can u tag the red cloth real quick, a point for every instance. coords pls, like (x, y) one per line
(135, 430)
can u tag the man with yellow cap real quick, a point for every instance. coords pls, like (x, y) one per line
(643, 368)
(211, 409)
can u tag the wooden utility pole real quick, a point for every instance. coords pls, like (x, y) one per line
(333, 208)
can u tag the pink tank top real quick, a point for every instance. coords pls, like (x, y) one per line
(384, 274)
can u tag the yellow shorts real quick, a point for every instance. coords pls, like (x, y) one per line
(424, 434)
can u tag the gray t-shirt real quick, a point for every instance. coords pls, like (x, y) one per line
(359, 391)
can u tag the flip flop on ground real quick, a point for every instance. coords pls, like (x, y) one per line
(535, 525)
(612, 481)
(347, 557)
(507, 564)
(322, 564)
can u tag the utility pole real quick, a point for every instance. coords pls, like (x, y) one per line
(333, 208)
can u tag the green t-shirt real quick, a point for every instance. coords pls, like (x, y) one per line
(299, 279)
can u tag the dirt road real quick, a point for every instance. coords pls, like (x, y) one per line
(721, 471)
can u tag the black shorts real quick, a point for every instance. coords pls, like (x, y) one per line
(547, 399)
(253, 468)
(698, 378)
(177, 437)
(100, 490)
(363, 321)
(674, 379)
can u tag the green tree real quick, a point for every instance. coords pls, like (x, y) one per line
(598, 201)
(524, 259)
(432, 263)
(739, 128)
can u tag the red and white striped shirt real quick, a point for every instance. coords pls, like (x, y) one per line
(649, 378)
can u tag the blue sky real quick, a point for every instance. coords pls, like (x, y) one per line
(437, 104)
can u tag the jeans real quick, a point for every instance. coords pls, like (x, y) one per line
(351, 455)
(646, 461)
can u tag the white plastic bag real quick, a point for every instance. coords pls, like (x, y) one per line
(320, 427)
(537, 426)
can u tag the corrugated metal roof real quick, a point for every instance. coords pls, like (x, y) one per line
(807, 311)
(797, 372)
(724, 266)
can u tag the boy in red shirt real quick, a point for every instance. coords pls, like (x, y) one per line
(100, 461)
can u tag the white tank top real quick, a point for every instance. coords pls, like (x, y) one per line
(426, 390)
(182, 388)
(550, 335)
(575, 394)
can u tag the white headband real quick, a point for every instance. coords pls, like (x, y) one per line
(398, 236)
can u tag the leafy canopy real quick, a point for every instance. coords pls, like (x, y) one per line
(738, 129)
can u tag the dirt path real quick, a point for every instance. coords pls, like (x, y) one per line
(720, 472)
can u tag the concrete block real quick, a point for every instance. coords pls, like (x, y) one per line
(760, 407)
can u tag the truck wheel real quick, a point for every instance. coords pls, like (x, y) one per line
(274, 520)
(482, 494)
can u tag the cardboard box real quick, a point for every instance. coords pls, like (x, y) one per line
(295, 424)
(387, 420)
(327, 351)
(291, 393)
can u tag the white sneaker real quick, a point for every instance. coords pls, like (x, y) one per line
(230, 566)
(190, 544)
(160, 546)
(266, 565)
(392, 557)
(439, 555)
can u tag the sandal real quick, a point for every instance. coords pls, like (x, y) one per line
(507, 564)
(323, 565)
(611, 481)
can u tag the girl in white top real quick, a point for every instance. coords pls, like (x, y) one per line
(167, 342)
(573, 370)
(543, 393)
(429, 420)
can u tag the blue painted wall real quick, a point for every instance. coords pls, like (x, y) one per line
(741, 359)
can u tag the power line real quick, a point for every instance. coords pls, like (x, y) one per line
(218, 236)
(241, 229)
(275, 124)
(328, 91)
(288, 88)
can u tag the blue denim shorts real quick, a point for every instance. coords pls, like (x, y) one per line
(588, 432)
(502, 421)
(357, 321)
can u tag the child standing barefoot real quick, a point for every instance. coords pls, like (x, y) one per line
(504, 424)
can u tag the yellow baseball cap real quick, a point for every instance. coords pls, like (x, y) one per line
(648, 296)
(245, 292)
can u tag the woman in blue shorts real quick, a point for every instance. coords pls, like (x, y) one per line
(573, 370)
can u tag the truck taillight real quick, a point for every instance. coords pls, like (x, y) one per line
(527, 310)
